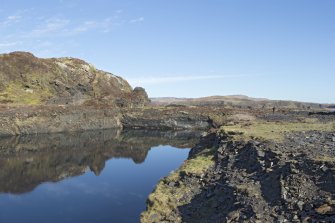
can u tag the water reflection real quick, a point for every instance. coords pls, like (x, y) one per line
(27, 161)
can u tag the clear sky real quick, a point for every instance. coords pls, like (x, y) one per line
(278, 49)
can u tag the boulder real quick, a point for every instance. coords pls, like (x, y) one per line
(139, 97)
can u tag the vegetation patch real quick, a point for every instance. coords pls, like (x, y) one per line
(172, 192)
(325, 159)
(275, 130)
(16, 93)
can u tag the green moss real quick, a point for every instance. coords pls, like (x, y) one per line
(19, 94)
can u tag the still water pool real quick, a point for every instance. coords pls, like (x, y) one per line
(84, 177)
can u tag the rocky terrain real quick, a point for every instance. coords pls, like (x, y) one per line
(267, 168)
(67, 95)
(53, 119)
(260, 160)
(167, 118)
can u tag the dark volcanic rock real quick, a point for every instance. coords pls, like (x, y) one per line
(164, 119)
(279, 184)
(265, 181)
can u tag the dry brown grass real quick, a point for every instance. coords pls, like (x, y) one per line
(276, 130)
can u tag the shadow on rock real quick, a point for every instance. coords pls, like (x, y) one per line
(211, 205)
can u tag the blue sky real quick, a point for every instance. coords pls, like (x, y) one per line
(187, 48)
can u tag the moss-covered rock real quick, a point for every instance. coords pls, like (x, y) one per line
(28, 80)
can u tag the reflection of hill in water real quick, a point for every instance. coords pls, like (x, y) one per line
(27, 161)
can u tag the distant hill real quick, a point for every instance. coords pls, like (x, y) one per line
(28, 80)
(240, 101)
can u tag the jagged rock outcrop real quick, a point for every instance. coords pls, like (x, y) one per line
(28, 80)
(139, 97)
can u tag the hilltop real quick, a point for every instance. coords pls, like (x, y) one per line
(29, 80)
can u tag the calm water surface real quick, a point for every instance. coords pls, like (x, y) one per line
(84, 177)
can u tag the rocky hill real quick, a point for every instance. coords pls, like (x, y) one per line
(28, 80)
(68, 95)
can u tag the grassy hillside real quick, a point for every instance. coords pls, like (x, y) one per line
(28, 80)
